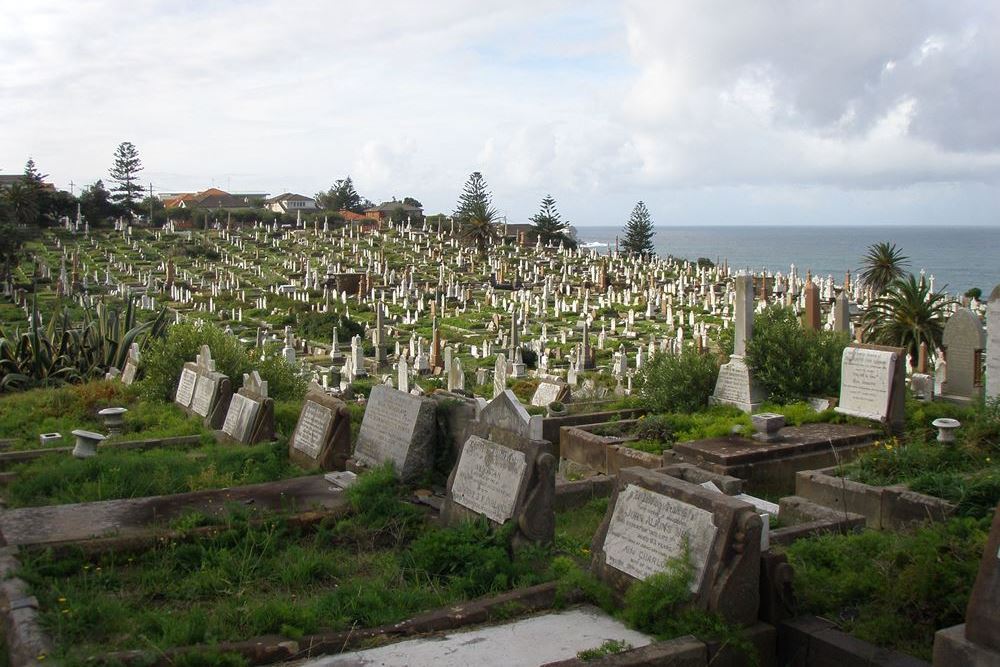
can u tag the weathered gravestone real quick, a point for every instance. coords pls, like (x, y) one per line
(506, 421)
(977, 641)
(203, 391)
(397, 427)
(504, 483)
(322, 436)
(131, 365)
(250, 418)
(735, 385)
(654, 517)
(872, 384)
(993, 344)
(964, 345)
(549, 392)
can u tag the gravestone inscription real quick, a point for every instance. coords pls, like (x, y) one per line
(489, 478)
(185, 388)
(653, 517)
(322, 435)
(871, 383)
(397, 427)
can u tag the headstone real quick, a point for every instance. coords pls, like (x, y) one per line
(185, 387)
(812, 314)
(964, 348)
(502, 483)
(250, 418)
(735, 385)
(548, 392)
(506, 414)
(993, 344)
(653, 517)
(400, 428)
(322, 435)
(131, 365)
(842, 314)
(500, 375)
(872, 384)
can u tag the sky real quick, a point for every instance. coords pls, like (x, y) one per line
(812, 113)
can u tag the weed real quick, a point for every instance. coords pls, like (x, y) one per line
(610, 647)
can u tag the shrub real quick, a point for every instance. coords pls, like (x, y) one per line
(677, 382)
(793, 363)
(166, 357)
(893, 589)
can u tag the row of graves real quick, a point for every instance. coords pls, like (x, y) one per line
(694, 503)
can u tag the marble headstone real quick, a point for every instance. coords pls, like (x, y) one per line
(322, 436)
(400, 428)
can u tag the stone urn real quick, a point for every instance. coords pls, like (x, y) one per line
(114, 419)
(556, 409)
(86, 443)
(946, 428)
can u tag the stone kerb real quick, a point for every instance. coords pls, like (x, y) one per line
(322, 436)
(203, 391)
(650, 518)
(250, 418)
(504, 482)
(399, 428)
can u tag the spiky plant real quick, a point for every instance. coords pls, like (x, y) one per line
(882, 264)
(906, 315)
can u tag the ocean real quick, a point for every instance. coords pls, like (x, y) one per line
(959, 258)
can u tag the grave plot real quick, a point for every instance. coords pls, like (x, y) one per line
(304, 582)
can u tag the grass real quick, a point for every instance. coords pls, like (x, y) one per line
(58, 478)
(26, 415)
(379, 565)
(966, 473)
(892, 589)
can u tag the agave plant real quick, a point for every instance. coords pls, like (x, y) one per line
(63, 352)
(908, 314)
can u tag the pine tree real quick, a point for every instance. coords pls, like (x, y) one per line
(639, 232)
(475, 213)
(475, 199)
(549, 225)
(125, 175)
(341, 197)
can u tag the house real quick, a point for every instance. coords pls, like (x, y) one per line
(290, 203)
(386, 209)
(520, 233)
(213, 198)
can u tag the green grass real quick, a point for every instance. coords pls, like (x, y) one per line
(26, 415)
(966, 473)
(892, 589)
(379, 565)
(58, 478)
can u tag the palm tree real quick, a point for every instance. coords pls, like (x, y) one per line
(881, 265)
(480, 226)
(907, 315)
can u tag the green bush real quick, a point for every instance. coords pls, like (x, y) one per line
(319, 326)
(792, 363)
(677, 382)
(166, 357)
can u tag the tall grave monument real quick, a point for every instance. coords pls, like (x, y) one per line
(993, 345)
(736, 385)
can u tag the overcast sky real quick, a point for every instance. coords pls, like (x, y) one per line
(712, 112)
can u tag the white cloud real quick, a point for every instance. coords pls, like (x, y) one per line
(599, 103)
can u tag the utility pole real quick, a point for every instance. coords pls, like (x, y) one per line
(150, 204)
(71, 184)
